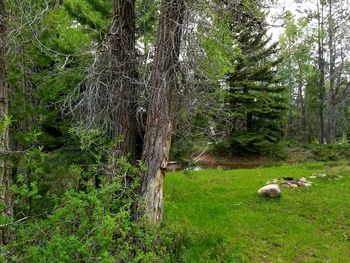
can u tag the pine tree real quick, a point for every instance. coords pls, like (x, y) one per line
(255, 93)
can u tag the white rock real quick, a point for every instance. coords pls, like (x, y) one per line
(293, 186)
(307, 184)
(313, 176)
(323, 175)
(271, 190)
(303, 180)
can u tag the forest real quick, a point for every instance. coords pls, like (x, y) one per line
(174, 131)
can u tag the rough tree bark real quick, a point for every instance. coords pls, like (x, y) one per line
(6, 235)
(162, 107)
(123, 74)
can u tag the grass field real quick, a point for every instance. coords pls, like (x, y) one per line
(227, 221)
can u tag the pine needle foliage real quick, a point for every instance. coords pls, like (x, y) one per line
(255, 93)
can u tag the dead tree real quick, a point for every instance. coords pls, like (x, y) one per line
(162, 108)
(6, 235)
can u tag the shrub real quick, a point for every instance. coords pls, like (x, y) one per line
(92, 223)
(330, 152)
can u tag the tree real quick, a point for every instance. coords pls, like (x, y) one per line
(336, 32)
(255, 93)
(6, 234)
(316, 50)
(108, 100)
(321, 66)
(162, 108)
(123, 74)
(298, 69)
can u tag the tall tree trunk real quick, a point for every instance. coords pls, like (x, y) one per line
(123, 75)
(321, 66)
(290, 99)
(6, 234)
(161, 111)
(303, 123)
(331, 96)
(331, 118)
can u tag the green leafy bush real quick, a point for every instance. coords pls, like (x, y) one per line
(91, 223)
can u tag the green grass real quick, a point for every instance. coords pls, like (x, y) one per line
(226, 221)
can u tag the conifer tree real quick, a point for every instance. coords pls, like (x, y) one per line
(255, 93)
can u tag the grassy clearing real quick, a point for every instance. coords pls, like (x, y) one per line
(227, 222)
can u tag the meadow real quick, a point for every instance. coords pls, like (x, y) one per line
(226, 221)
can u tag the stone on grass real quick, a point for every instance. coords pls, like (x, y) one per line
(273, 181)
(271, 190)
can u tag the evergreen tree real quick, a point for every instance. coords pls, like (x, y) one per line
(256, 96)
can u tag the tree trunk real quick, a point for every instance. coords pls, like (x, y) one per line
(160, 117)
(321, 67)
(289, 130)
(331, 96)
(331, 118)
(123, 75)
(6, 234)
(303, 123)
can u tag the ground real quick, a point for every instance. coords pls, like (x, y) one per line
(226, 221)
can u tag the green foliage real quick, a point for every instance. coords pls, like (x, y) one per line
(5, 123)
(146, 21)
(330, 152)
(301, 74)
(254, 93)
(253, 144)
(220, 51)
(91, 226)
(91, 223)
(93, 15)
(51, 54)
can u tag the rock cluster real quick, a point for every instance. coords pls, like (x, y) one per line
(290, 182)
(327, 176)
(272, 188)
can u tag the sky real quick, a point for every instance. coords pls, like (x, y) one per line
(276, 28)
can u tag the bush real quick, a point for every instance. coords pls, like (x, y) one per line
(330, 152)
(90, 226)
(92, 223)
